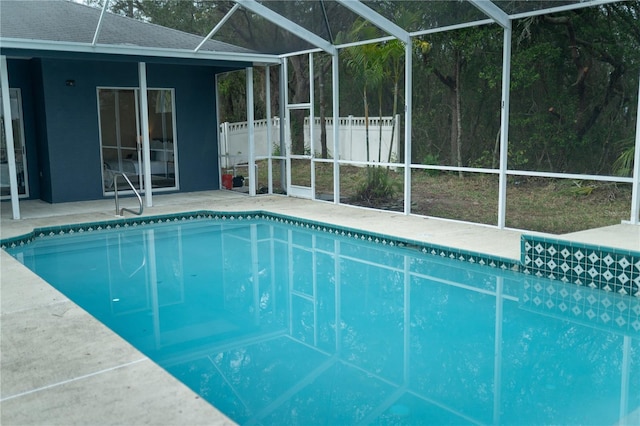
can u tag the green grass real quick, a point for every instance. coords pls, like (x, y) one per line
(556, 206)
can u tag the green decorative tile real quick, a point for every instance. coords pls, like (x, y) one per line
(604, 268)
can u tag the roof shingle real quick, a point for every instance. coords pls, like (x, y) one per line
(66, 21)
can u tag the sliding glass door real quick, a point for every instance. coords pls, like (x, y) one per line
(121, 137)
(18, 145)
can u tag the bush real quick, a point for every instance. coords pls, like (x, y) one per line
(379, 185)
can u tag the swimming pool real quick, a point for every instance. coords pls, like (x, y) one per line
(278, 322)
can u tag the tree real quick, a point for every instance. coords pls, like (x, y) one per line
(366, 65)
(576, 87)
(447, 58)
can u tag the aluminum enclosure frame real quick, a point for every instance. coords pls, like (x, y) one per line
(493, 12)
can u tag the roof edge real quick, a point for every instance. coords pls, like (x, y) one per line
(255, 58)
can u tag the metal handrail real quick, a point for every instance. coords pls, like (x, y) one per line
(115, 188)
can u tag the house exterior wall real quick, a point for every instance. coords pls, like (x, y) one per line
(63, 142)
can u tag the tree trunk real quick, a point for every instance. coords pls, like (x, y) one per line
(458, 115)
(323, 115)
(393, 118)
(366, 119)
(453, 136)
(379, 125)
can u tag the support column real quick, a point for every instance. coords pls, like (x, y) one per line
(251, 131)
(335, 80)
(408, 89)
(635, 193)
(267, 89)
(504, 126)
(144, 115)
(285, 119)
(312, 127)
(8, 130)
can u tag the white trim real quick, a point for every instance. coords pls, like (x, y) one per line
(267, 90)
(364, 42)
(219, 139)
(376, 19)
(564, 8)
(601, 178)
(504, 126)
(408, 96)
(453, 27)
(300, 52)
(287, 24)
(96, 34)
(635, 193)
(285, 136)
(494, 12)
(370, 163)
(455, 169)
(306, 105)
(219, 25)
(312, 128)
(251, 131)
(256, 58)
(335, 78)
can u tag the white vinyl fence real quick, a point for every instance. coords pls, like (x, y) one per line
(234, 139)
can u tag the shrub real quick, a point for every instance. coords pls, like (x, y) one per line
(378, 185)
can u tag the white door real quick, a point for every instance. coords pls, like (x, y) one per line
(299, 134)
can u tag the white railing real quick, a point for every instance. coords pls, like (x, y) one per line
(234, 139)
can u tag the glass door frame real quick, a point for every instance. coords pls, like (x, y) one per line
(171, 156)
(19, 143)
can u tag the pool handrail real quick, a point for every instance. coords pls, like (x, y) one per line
(120, 212)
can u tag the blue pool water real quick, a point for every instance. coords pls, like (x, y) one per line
(280, 324)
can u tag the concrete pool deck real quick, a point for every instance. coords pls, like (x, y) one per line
(61, 366)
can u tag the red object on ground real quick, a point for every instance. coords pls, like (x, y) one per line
(227, 181)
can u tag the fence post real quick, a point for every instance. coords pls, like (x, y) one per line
(225, 145)
(350, 137)
(396, 134)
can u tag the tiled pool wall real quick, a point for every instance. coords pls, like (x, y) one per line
(604, 268)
